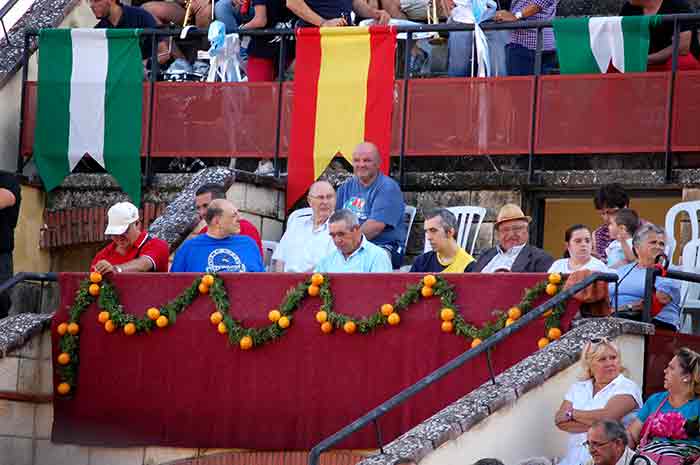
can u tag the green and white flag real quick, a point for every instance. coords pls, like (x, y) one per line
(89, 102)
(590, 45)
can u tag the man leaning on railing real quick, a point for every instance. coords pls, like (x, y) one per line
(9, 212)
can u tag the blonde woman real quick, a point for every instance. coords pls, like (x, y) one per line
(604, 393)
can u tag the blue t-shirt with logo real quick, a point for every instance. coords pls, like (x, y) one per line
(380, 201)
(205, 254)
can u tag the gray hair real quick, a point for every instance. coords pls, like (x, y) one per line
(345, 215)
(642, 233)
(613, 430)
(449, 220)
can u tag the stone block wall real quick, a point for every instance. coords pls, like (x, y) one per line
(261, 205)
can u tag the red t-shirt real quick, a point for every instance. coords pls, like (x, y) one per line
(247, 229)
(154, 248)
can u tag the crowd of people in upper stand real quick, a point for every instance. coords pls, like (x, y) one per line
(510, 52)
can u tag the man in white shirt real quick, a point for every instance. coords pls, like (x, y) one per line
(306, 240)
(512, 253)
(607, 442)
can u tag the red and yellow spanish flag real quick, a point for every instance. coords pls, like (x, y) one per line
(343, 95)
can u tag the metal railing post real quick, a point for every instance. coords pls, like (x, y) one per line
(278, 129)
(23, 101)
(151, 104)
(533, 119)
(649, 280)
(668, 169)
(404, 106)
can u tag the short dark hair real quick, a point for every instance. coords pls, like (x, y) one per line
(449, 220)
(570, 232)
(217, 190)
(613, 430)
(629, 219)
(488, 461)
(611, 196)
(213, 212)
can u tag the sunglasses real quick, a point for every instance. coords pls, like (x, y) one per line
(600, 340)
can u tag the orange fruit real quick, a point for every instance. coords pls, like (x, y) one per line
(547, 314)
(62, 329)
(447, 314)
(221, 328)
(542, 343)
(326, 327)
(314, 290)
(554, 278)
(94, 290)
(63, 388)
(387, 309)
(283, 322)
(109, 326)
(317, 279)
(321, 316)
(349, 327)
(429, 280)
(73, 328)
(274, 315)
(103, 316)
(63, 359)
(393, 319)
(447, 326)
(153, 313)
(514, 313)
(129, 329)
(208, 280)
(246, 342)
(426, 291)
(509, 321)
(216, 318)
(203, 288)
(475, 342)
(553, 334)
(551, 289)
(95, 277)
(162, 321)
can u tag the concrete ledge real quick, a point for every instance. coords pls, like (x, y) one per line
(16, 330)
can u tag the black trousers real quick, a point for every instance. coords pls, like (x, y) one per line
(5, 274)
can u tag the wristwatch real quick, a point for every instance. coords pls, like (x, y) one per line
(518, 15)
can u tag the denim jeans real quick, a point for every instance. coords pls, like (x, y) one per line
(520, 60)
(460, 46)
(227, 14)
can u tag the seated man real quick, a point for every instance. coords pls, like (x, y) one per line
(203, 197)
(222, 249)
(608, 444)
(513, 253)
(377, 201)
(307, 241)
(131, 250)
(447, 256)
(334, 13)
(354, 253)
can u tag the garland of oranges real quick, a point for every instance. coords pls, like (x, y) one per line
(113, 317)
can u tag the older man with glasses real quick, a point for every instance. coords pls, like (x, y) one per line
(607, 443)
(513, 253)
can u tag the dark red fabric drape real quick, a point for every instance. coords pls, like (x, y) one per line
(186, 387)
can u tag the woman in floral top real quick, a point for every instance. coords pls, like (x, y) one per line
(672, 416)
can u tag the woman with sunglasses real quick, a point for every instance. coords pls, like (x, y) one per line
(682, 384)
(604, 393)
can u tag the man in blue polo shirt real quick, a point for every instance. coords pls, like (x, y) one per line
(377, 201)
(354, 253)
(221, 249)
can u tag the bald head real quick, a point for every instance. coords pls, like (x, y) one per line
(222, 218)
(366, 161)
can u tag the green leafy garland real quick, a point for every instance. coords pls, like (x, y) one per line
(113, 316)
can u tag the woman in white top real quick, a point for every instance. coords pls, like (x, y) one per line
(604, 393)
(579, 245)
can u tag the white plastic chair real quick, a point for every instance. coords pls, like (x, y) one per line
(409, 215)
(465, 220)
(690, 292)
(691, 209)
(299, 214)
(269, 248)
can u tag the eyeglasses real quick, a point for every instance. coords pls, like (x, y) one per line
(323, 197)
(512, 229)
(600, 340)
(595, 445)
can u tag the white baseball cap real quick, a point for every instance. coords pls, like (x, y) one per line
(121, 215)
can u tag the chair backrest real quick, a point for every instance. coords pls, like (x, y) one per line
(691, 209)
(409, 214)
(298, 214)
(467, 217)
(269, 248)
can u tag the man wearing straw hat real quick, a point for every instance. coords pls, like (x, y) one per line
(513, 253)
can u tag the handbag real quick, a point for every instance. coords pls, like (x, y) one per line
(660, 459)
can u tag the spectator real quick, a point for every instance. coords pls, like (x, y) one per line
(174, 12)
(608, 444)
(229, 13)
(222, 249)
(333, 13)
(10, 200)
(513, 253)
(520, 52)
(203, 197)
(604, 392)
(263, 51)
(661, 35)
(622, 227)
(307, 240)
(608, 200)
(354, 253)
(377, 201)
(648, 243)
(447, 256)
(131, 249)
(578, 252)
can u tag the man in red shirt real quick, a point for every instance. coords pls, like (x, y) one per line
(208, 192)
(132, 250)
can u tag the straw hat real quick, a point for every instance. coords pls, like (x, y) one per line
(510, 212)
